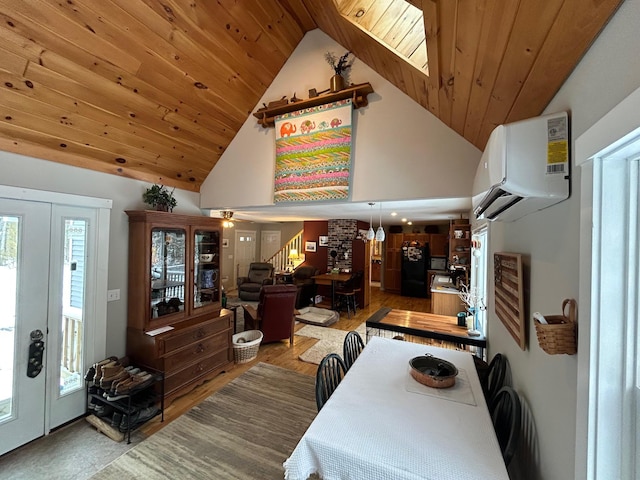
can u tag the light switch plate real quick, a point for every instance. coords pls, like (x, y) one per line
(113, 295)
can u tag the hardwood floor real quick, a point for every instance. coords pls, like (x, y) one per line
(282, 355)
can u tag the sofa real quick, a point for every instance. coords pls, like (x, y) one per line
(259, 275)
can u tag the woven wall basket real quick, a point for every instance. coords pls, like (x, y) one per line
(560, 335)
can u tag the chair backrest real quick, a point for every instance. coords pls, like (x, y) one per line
(304, 272)
(276, 305)
(354, 282)
(357, 279)
(495, 377)
(330, 373)
(506, 411)
(259, 271)
(352, 347)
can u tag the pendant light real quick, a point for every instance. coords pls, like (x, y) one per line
(380, 236)
(371, 234)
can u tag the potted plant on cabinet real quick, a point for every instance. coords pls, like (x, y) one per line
(159, 198)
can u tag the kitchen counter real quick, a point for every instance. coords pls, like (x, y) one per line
(443, 284)
(444, 297)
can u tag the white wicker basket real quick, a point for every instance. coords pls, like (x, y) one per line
(246, 345)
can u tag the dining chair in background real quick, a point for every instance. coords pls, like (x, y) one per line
(346, 293)
(330, 373)
(506, 418)
(495, 377)
(353, 345)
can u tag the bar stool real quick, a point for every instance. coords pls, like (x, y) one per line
(346, 293)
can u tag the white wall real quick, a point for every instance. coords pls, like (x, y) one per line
(27, 172)
(550, 240)
(400, 150)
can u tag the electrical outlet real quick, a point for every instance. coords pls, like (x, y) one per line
(113, 295)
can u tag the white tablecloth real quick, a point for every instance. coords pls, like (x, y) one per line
(377, 426)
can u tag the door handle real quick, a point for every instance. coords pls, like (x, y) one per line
(36, 350)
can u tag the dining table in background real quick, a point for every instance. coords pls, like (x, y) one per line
(381, 424)
(332, 279)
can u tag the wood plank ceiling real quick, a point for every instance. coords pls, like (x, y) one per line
(156, 90)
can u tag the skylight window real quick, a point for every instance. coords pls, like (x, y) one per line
(396, 24)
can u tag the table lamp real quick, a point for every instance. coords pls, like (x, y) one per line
(293, 255)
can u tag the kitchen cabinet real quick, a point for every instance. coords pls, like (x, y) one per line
(175, 321)
(375, 270)
(393, 263)
(446, 303)
(422, 238)
(438, 244)
(393, 254)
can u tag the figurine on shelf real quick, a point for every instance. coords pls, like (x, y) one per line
(279, 103)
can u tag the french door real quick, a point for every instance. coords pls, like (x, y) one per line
(48, 281)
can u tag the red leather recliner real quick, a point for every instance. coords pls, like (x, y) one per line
(274, 316)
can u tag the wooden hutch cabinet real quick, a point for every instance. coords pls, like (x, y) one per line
(175, 321)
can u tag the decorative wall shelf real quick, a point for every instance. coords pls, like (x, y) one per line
(357, 93)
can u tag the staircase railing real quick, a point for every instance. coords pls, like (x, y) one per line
(281, 260)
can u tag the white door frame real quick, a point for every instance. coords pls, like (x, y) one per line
(96, 282)
(608, 399)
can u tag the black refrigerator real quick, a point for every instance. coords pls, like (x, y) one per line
(415, 263)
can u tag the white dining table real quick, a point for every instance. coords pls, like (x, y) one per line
(380, 424)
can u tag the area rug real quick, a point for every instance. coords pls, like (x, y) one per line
(239, 432)
(331, 341)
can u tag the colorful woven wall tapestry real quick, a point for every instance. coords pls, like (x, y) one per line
(313, 153)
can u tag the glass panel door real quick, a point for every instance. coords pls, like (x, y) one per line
(9, 227)
(207, 268)
(168, 271)
(70, 376)
(24, 265)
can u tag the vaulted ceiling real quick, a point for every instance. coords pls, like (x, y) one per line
(156, 90)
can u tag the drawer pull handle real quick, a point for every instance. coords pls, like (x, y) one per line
(200, 333)
(200, 348)
(199, 368)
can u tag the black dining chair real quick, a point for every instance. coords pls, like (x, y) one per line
(353, 345)
(505, 415)
(330, 373)
(495, 377)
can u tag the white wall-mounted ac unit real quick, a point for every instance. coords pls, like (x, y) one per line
(524, 168)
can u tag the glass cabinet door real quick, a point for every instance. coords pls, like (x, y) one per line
(207, 268)
(168, 271)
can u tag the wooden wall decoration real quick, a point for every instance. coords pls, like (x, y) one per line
(509, 301)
